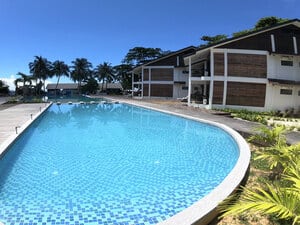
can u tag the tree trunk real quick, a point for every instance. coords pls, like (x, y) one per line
(102, 85)
(56, 85)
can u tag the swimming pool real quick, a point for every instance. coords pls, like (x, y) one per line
(110, 164)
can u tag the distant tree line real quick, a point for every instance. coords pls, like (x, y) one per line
(82, 71)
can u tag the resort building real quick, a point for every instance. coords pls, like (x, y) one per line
(163, 77)
(71, 89)
(256, 71)
(68, 89)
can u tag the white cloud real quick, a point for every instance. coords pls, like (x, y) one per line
(10, 82)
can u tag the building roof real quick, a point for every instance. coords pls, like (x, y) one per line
(253, 33)
(73, 86)
(289, 22)
(203, 52)
(62, 86)
(166, 56)
(111, 86)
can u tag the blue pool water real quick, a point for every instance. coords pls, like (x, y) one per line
(110, 164)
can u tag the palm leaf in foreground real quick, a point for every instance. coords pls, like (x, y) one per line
(280, 202)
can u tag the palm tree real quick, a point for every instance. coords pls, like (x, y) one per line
(60, 69)
(26, 81)
(41, 69)
(105, 73)
(81, 70)
(280, 197)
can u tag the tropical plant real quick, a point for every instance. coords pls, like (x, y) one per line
(60, 69)
(269, 137)
(260, 24)
(213, 39)
(105, 73)
(27, 84)
(139, 55)
(26, 79)
(3, 88)
(122, 73)
(81, 70)
(40, 68)
(91, 86)
(279, 198)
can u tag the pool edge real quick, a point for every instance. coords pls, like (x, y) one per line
(204, 211)
(12, 138)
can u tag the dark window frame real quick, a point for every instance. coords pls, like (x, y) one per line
(284, 91)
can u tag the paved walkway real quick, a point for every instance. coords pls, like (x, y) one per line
(245, 128)
(16, 116)
(3, 100)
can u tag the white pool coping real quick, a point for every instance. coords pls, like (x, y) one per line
(203, 211)
(4, 146)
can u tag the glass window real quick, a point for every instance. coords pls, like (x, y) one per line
(286, 91)
(286, 61)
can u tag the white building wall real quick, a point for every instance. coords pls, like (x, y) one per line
(277, 71)
(277, 101)
(179, 75)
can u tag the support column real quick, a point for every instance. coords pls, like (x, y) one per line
(295, 45)
(211, 88)
(149, 86)
(190, 81)
(225, 77)
(132, 81)
(142, 91)
(205, 75)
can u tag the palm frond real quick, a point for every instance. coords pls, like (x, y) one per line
(268, 136)
(280, 202)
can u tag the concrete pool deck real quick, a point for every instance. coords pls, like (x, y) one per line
(15, 118)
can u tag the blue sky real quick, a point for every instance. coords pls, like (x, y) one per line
(104, 30)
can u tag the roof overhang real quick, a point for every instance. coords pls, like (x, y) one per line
(200, 50)
(283, 82)
(199, 56)
(138, 68)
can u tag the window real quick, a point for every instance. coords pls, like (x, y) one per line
(298, 93)
(185, 88)
(286, 91)
(287, 61)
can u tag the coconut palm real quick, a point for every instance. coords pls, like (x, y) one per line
(105, 73)
(280, 197)
(81, 70)
(26, 81)
(60, 69)
(41, 69)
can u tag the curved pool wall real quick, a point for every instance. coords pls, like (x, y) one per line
(205, 210)
(201, 211)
